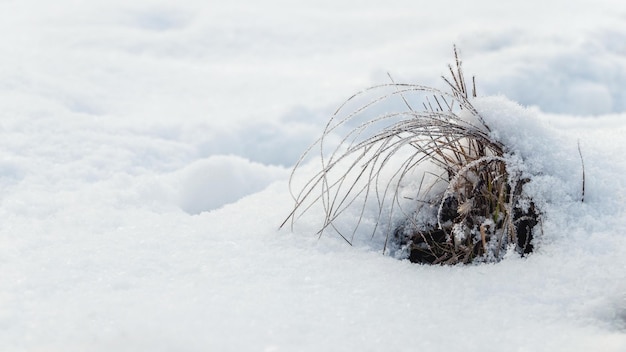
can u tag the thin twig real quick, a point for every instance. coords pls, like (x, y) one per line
(582, 163)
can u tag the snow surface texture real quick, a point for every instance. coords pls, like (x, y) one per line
(130, 132)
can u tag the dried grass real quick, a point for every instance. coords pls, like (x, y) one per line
(469, 205)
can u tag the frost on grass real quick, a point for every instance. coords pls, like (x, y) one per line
(432, 179)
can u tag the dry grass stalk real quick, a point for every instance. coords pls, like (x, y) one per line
(471, 209)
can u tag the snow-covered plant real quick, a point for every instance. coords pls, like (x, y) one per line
(444, 190)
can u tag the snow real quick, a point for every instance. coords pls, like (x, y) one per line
(145, 149)
(208, 184)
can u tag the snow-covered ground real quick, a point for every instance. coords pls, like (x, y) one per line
(145, 148)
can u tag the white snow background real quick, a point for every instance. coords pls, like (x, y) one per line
(145, 148)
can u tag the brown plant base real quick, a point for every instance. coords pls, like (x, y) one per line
(435, 246)
(482, 212)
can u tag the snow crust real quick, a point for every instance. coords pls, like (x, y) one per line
(145, 147)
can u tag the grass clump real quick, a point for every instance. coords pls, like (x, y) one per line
(466, 203)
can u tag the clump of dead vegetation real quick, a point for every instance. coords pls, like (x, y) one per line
(468, 205)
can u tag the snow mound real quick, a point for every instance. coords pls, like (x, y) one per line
(547, 158)
(208, 184)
